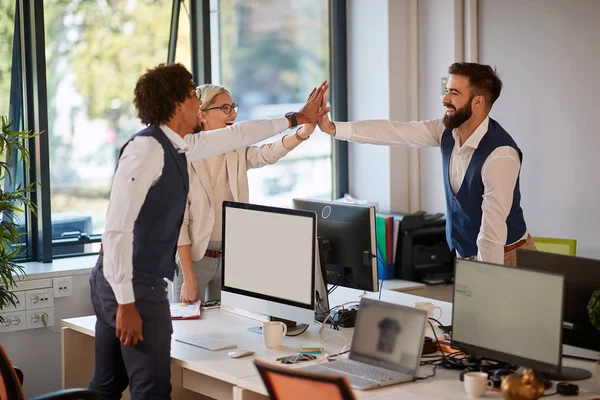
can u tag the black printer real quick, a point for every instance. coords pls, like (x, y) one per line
(422, 253)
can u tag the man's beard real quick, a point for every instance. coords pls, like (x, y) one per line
(460, 116)
(197, 129)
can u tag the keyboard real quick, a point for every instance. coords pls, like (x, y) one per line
(206, 342)
(359, 374)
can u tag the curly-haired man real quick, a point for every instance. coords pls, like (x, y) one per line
(145, 211)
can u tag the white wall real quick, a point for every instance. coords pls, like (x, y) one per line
(37, 352)
(377, 48)
(436, 53)
(548, 55)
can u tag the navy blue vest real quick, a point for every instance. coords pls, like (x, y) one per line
(157, 226)
(463, 210)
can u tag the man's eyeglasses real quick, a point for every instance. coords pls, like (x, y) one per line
(226, 108)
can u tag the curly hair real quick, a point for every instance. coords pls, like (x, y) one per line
(159, 90)
(484, 79)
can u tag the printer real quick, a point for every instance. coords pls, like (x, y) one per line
(422, 253)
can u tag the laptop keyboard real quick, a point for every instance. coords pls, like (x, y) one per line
(357, 371)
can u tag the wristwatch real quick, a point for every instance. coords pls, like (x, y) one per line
(292, 117)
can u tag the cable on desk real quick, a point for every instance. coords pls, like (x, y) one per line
(299, 333)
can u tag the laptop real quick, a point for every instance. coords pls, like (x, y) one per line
(386, 346)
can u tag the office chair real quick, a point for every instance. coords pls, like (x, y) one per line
(566, 247)
(294, 384)
(10, 385)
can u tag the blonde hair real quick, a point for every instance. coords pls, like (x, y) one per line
(207, 94)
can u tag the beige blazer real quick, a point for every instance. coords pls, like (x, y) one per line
(199, 217)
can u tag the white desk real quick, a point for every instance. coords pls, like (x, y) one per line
(214, 374)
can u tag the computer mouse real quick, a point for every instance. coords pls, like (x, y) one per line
(240, 353)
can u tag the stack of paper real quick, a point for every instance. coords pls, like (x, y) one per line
(185, 311)
(311, 348)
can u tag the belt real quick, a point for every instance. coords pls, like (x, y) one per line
(213, 253)
(515, 245)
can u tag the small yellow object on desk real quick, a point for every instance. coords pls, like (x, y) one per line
(311, 348)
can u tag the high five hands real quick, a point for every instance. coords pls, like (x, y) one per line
(315, 107)
(325, 124)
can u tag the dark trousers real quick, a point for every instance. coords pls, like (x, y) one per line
(146, 368)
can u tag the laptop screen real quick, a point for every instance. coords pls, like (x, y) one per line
(389, 336)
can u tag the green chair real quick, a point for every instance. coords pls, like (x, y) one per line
(567, 247)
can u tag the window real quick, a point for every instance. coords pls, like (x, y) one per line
(71, 68)
(95, 51)
(270, 54)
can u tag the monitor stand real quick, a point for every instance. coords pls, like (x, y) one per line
(293, 328)
(567, 374)
(321, 294)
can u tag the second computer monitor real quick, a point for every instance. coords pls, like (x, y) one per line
(582, 278)
(508, 314)
(347, 232)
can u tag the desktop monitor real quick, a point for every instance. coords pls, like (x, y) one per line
(508, 314)
(582, 278)
(269, 261)
(348, 247)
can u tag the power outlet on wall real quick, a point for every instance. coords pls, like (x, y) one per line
(13, 321)
(20, 303)
(39, 298)
(62, 286)
(36, 318)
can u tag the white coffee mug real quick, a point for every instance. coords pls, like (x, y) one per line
(476, 383)
(273, 333)
(429, 307)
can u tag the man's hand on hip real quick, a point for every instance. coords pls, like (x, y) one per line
(129, 324)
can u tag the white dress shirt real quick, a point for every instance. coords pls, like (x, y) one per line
(140, 167)
(499, 172)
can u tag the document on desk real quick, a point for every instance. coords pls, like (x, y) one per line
(186, 311)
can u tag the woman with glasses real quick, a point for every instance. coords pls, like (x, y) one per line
(213, 180)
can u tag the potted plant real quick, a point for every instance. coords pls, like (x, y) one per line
(594, 309)
(12, 203)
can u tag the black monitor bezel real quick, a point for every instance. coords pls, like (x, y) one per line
(373, 285)
(277, 210)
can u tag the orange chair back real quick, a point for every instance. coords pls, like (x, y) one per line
(294, 384)
(10, 387)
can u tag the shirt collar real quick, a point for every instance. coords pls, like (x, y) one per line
(475, 138)
(180, 144)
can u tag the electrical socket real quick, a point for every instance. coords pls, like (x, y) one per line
(20, 303)
(35, 318)
(13, 321)
(62, 286)
(39, 298)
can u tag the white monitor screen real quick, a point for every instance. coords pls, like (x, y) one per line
(512, 312)
(268, 253)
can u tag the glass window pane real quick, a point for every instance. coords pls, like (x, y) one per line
(95, 51)
(11, 108)
(183, 52)
(7, 25)
(270, 54)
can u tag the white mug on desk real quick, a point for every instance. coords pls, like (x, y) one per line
(273, 333)
(476, 383)
(429, 307)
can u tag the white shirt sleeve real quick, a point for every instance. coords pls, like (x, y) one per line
(499, 174)
(219, 141)
(140, 167)
(384, 132)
